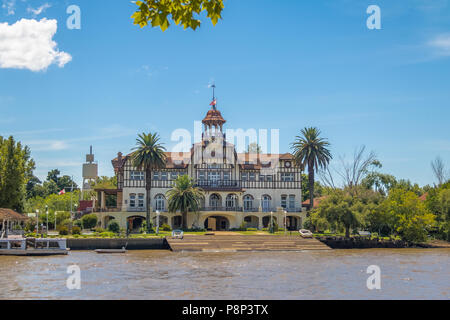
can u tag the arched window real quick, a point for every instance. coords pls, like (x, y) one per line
(231, 201)
(160, 202)
(248, 202)
(214, 201)
(266, 203)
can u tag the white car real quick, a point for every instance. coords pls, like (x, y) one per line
(305, 233)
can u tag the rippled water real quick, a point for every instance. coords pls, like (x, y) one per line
(336, 274)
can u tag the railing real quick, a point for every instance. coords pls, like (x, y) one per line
(219, 184)
(221, 209)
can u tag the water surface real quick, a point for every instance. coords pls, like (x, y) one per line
(334, 274)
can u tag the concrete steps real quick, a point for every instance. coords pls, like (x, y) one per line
(232, 243)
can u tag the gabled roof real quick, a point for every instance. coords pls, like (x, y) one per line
(8, 214)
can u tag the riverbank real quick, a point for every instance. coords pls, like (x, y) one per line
(365, 243)
(119, 243)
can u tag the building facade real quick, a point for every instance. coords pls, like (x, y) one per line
(240, 189)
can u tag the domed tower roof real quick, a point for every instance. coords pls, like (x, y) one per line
(214, 118)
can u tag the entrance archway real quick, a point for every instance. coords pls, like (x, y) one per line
(266, 221)
(293, 223)
(217, 223)
(251, 222)
(134, 224)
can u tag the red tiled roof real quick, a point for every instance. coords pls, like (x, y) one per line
(8, 214)
(423, 197)
(214, 117)
(316, 201)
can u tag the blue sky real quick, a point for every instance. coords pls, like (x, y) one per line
(277, 65)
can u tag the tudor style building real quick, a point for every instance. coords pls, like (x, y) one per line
(240, 189)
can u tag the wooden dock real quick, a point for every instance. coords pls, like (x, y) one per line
(238, 243)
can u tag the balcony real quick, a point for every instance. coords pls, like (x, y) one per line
(221, 209)
(219, 185)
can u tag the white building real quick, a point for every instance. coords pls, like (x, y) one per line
(240, 189)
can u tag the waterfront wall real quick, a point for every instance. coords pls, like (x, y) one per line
(130, 244)
(364, 243)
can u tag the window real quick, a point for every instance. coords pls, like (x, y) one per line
(269, 178)
(248, 202)
(132, 200)
(231, 201)
(174, 175)
(252, 176)
(156, 175)
(141, 200)
(201, 175)
(164, 176)
(213, 176)
(160, 202)
(266, 203)
(292, 201)
(226, 176)
(284, 202)
(287, 177)
(137, 175)
(264, 178)
(214, 201)
(245, 176)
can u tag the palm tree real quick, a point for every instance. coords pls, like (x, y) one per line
(312, 151)
(148, 155)
(184, 196)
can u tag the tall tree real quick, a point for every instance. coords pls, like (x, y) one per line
(184, 12)
(16, 168)
(148, 155)
(311, 150)
(438, 168)
(185, 197)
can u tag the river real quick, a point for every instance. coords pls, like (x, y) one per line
(334, 274)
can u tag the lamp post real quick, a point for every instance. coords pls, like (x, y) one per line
(285, 222)
(37, 222)
(271, 222)
(157, 221)
(46, 212)
(55, 219)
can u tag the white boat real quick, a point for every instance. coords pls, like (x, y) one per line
(15, 246)
(305, 233)
(177, 234)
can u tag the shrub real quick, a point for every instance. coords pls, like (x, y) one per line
(107, 235)
(63, 231)
(114, 227)
(76, 230)
(89, 221)
(99, 230)
(78, 224)
(166, 227)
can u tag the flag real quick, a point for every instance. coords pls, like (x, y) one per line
(63, 191)
(214, 103)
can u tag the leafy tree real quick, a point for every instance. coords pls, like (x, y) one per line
(343, 209)
(148, 155)
(89, 221)
(319, 190)
(184, 12)
(185, 197)
(311, 150)
(16, 169)
(412, 220)
(381, 182)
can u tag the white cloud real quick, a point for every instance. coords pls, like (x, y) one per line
(442, 44)
(39, 10)
(47, 145)
(28, 44)
(9, 6)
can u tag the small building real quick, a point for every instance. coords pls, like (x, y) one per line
(9, 219)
